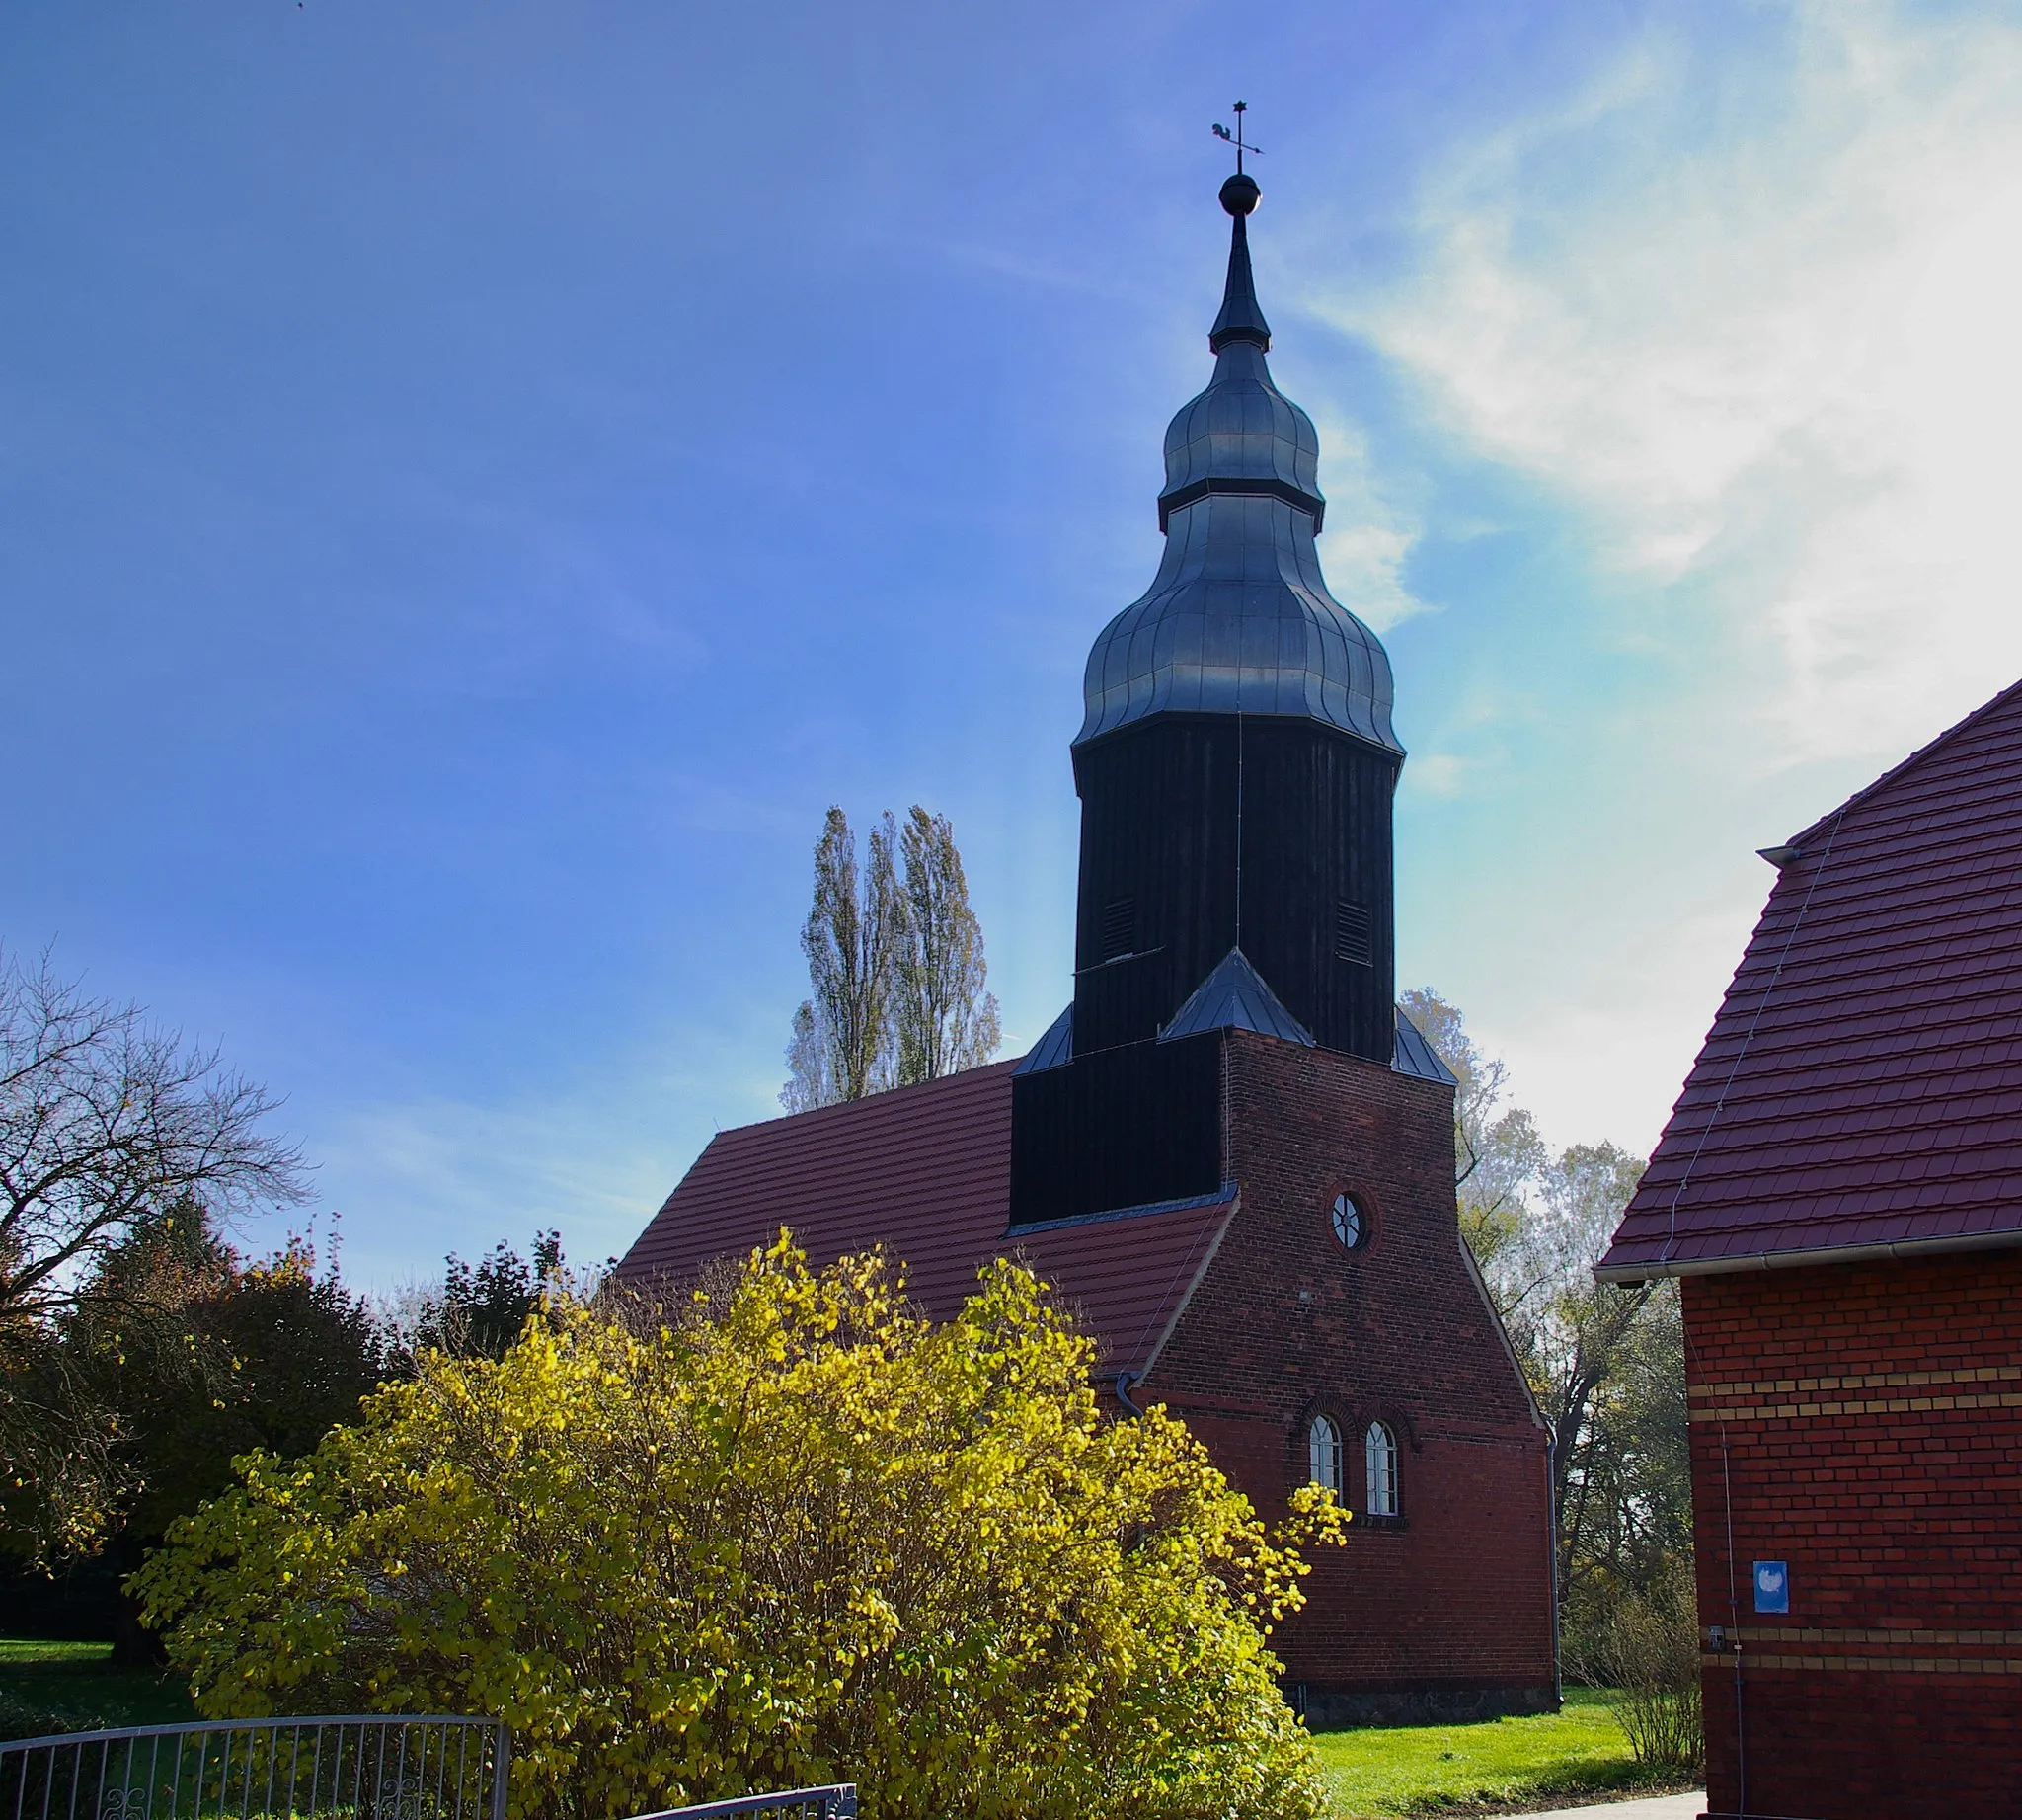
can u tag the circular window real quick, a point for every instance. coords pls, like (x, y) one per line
(1351, 1223)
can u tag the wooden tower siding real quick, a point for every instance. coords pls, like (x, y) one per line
(1160, 833)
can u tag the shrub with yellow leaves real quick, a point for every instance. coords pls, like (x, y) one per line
(792, 1534)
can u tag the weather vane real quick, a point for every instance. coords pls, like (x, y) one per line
(1236, 139)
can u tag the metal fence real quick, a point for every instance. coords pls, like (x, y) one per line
(401, 1768)
(836, 1802)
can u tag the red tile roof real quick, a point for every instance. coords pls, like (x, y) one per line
(1862, 1083)
(926, 1172)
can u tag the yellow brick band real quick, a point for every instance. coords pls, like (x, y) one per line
(1878, 1405)
(1874, 1381)
(1752, 1663)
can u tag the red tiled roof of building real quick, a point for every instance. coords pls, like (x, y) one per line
(926, 1172)
(1861, 1086)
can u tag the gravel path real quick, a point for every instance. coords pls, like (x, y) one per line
(1660, 1807)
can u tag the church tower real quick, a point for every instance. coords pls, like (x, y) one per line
(1235, 765)
(1229, 1155)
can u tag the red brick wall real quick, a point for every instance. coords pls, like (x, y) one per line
(1456, 1601)
(1872, 1421)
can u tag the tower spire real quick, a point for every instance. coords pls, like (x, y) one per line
(1241, 320)
(1242, 317)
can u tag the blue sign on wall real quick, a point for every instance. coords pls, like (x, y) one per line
(1772, 1586)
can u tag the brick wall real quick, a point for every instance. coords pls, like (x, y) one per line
(1447, 1613)
(1863, 1423)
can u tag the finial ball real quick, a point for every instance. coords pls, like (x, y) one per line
(1239, 193)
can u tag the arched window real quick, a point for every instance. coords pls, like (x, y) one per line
(1351, 1223)
(1379, 1464)
(1323, 1452)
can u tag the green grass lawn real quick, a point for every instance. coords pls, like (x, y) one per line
(74, 1686)
(1499, 1766)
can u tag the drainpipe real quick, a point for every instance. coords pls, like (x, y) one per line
(1125, 1379)
(1551, 1544)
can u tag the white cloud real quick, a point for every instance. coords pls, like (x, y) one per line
(1436, 773)
(478, 1173)
(1368, 539)
(1606, 1058)
(1747, 312)
(1759, 323)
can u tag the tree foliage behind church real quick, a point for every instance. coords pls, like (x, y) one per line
(788, 1534)
(1606, 1361)
(894, 965)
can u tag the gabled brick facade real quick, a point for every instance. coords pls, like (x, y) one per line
(1446, 1610)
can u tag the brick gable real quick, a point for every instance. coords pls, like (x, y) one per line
(1448, 1610)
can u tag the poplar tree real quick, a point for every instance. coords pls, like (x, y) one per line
(842, 1048)
(896, 964)
(943, 1017)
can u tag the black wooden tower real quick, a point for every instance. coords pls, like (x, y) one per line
(1235, 767)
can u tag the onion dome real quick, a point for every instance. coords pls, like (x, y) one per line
(1238, 619)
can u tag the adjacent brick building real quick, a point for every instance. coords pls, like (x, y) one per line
(1840, 1190)
(1230, 1151)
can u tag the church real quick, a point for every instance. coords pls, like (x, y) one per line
(1231, 1152)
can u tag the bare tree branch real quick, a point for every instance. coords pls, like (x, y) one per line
(104, 1120)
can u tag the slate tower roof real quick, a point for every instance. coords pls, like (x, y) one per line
(1236, 762)
(1238, 618)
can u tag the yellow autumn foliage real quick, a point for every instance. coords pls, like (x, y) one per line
(793, 1534)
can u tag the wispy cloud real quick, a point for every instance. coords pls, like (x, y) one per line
(593, 1157)
(1369, 536)
(1720, 342)
(1436, 773)
(1753, 315)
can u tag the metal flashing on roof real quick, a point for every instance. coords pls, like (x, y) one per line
(1213, 1198)
(1234, 998)
(1414, 1055)
(1054, 1049)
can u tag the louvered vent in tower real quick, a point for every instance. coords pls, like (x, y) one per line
(1352, 933)
(1118, 928)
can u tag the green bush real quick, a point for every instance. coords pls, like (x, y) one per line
(796, 1534)
(1648, 1648)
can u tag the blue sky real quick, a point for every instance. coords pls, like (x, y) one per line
(476, 482)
